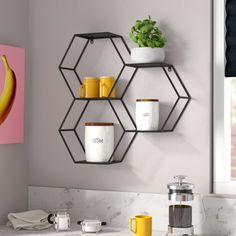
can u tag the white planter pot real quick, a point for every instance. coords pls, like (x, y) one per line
(147, 55)
(147, 114)
(99, 141)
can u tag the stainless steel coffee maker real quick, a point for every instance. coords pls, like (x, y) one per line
(180, 198)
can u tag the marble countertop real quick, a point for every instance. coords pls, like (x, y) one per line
(75, 231)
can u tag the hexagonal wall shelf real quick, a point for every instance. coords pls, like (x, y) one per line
(169, 71)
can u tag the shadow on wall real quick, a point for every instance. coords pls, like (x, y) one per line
(175, 44)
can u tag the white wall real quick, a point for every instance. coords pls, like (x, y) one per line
(13, 158)
(153, 159)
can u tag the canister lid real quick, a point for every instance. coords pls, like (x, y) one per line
(147, 100)
(180, 185)
(98, 124)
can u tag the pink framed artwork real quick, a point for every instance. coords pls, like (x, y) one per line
(12, 74)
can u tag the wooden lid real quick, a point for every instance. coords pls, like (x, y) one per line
(147, 100)
(98, 124)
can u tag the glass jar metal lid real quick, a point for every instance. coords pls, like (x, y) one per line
(98, 124)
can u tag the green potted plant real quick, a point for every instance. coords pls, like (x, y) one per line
(150, 40)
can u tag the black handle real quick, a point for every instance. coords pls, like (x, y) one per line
(49, 219)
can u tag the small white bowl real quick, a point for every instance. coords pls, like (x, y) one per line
(147, 55)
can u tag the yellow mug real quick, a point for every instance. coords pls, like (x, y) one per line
(89, 88)
(106, 84)
(142, 225)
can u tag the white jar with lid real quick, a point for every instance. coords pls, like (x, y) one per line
(99, 141)
(147, 114)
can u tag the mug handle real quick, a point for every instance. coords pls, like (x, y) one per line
(82, 90)
(106, 88)
(49, 219)
(131, 224)
(102, 85)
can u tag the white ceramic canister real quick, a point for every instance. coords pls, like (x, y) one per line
(147, 114)
(99, 141)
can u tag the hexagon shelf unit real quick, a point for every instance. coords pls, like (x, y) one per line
(169, 71)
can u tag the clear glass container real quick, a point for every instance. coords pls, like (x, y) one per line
(180, 214)
(60, 219)
(180, 207)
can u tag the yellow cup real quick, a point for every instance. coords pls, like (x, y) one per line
(142, 225)
(89, 88)
(106, 84)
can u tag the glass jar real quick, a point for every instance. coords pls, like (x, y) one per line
(180, 198)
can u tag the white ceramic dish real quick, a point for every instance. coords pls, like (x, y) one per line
(91, 226)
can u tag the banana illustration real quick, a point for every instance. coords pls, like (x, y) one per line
(9, 91)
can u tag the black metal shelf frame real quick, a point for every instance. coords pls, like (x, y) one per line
(74, 130)
(168, 69)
